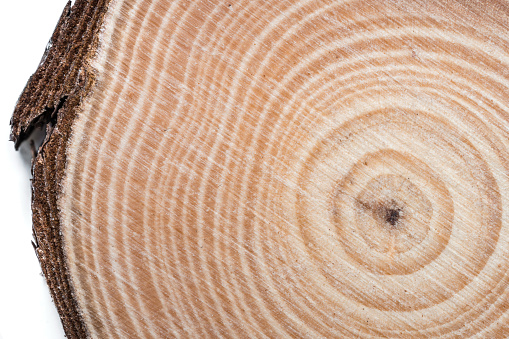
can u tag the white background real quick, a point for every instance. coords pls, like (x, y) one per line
(26, 309)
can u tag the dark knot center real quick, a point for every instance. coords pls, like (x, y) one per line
(392, 216)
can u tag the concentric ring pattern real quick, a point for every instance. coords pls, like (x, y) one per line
(294, 168)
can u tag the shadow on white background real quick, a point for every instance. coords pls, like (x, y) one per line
(26, 309)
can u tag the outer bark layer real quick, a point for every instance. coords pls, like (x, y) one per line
(51, 98)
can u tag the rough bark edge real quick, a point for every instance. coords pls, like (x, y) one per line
(52, 98)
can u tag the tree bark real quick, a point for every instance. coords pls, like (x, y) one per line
(274, 168)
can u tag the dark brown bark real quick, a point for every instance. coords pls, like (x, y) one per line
(52, 98)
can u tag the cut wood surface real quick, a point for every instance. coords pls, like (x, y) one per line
(274, 168)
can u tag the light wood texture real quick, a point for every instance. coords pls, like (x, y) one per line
(288, 169)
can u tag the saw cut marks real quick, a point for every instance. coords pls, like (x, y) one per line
(293, 169)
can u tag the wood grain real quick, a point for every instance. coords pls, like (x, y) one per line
(288, 169)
